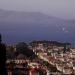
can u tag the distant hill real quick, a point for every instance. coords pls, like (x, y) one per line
(27, 26)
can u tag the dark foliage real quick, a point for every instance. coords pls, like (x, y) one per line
(23, 48)
(34, 43)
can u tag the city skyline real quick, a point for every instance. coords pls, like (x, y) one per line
(37, 37)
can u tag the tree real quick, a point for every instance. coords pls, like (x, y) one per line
(10, 52)
(23, 48)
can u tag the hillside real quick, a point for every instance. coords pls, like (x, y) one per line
(27, 26)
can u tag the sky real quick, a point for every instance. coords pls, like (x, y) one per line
(58, 8)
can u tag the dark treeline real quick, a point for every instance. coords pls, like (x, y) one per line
(24, 49)
(49, 43)
(21, 49)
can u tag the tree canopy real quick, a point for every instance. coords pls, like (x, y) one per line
(23, 48)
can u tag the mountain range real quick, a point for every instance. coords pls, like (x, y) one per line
(16, 26)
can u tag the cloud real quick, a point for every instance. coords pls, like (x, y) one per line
(65, 30)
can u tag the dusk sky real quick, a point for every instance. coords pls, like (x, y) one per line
(58, 8)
